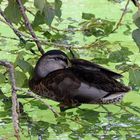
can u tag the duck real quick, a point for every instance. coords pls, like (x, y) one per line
(135, 2)
(73, 82)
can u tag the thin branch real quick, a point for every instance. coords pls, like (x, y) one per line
(40, 99)
(46, 42)
(121, 18)
(32, 95)
(66, 30)
(29, 11)
(15, 105)
(7, 21)
(28, 25)
(12, 38)
(14, 97)
(34, 39)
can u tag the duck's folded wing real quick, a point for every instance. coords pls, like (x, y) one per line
(56, 86)
(97, 85)
(82, 86)
(86, 65)
(60, 83)
(66, 86)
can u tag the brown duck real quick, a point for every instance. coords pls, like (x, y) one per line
(75, 81)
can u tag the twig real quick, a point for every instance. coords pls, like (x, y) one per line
(33, 39)
(40, 99)
(121, 18)
(28, 25)
(42, 41)
(14, 98)
(11, 26)
(12, 38)
(29, 11)
(44, 102)
(66, 30)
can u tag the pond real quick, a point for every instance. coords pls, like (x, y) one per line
(87, 122)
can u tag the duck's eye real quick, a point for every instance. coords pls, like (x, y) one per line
(62, 58)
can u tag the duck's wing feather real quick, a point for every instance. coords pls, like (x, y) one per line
(90, 66)
(99, 80)
(98, 85)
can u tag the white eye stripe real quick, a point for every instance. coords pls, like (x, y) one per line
(59, 57)
(63, 59)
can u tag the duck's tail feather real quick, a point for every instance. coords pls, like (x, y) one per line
(112, 98)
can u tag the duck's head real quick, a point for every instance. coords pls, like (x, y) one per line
(51, 61)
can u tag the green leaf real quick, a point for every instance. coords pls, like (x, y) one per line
(136, 37)
(120, 55)
(0, 1)
(47, 34)
(29, 45)
(46, 12)
(39, 19)
(108, 27)
(39, 4)
(73, 54)
(49, 13)
(12, 12)
(136, 18)
(58, 4)
(2, 78)
(71, 27)
(134, 77)
(87, 16)
(25, 66)
(20, 78)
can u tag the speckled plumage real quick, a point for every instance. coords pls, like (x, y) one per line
(79, 82)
